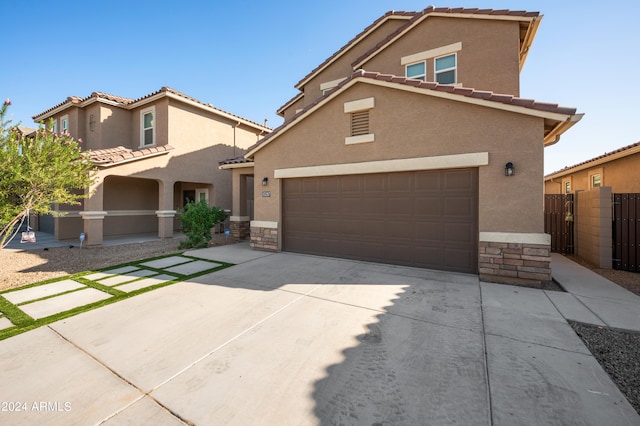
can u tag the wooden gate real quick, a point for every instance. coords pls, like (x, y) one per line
(626, 232)
(556, 207)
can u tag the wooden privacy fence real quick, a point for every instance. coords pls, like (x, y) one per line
(626, 232)
(556, 207)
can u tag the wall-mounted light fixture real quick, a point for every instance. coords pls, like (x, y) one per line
(509, 169)
(265, 181)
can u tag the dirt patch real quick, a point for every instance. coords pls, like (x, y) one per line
(18, 268)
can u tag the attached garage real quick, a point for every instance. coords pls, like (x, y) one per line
(426, 219)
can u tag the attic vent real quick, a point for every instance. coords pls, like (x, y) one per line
(359, 123)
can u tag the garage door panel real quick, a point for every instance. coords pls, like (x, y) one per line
(425, 219)
(458, 206)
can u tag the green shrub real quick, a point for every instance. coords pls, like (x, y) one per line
(197, 221)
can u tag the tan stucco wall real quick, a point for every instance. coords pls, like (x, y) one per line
(622, 175)
(593, 233)
(410, 125)
(489, 59)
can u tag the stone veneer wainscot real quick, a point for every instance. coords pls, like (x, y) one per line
(515, 263)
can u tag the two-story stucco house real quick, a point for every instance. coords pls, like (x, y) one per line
(153, 154)
(410, 145)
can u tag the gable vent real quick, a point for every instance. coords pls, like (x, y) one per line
(359, 123)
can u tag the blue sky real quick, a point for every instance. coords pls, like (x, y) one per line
(246, 56)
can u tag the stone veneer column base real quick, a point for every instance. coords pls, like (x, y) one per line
(240, 230)
(523, 264)
(264, 238)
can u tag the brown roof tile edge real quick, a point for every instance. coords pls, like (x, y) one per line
(235, 160)
(459, 91)
(110, 156)
(127, 101)
(432, 9)
(594, 159)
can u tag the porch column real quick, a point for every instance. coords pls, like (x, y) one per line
(93, 227)
(239, 222)
(166, 212)
(93, 214)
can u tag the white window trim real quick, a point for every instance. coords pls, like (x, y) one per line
(432, 53)
(454, 69)
(422, 77)
(151, 110)
(62, 120)
(597, 172)
(200, 191)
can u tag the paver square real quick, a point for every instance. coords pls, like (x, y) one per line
(193, 267)
(123, 270)
(41, 291)
(147, 282)
(5, 323)
(62, 303)
(166, 262)
(123, 278)
(97, 276)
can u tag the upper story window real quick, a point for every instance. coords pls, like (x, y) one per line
(596, 180)
(417, 71)
(147, 127)
(445, 69)
(64, 124)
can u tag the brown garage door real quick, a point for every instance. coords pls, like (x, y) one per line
(425, 219)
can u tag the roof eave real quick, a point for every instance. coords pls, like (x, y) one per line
(592, 163)
(236, 165)
(530, 35)
(561, 127)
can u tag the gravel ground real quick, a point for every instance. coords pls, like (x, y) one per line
(18, 268)
(618, 353)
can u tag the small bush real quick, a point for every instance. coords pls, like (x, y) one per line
(197, 221)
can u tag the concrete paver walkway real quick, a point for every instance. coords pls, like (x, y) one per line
(591, 298)
(293, 339)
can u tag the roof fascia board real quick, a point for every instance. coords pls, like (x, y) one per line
(528, 39)
(442, 15)
(302, 83)
(593, 163)
(291, 102)
(554, 135)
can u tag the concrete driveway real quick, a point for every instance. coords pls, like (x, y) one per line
(302, 340)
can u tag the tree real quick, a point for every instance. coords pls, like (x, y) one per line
(37, 172)
(197, 220)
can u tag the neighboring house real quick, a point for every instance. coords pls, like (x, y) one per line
(619, 169)
(152, 154)
(387, 165)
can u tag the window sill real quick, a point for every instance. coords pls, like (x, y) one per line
(351, 140)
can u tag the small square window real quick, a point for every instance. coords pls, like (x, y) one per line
(445, 69)
(596, 180)
(417, 71)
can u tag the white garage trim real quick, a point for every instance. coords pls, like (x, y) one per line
(454, 161)
(264, 224)
(515, 238)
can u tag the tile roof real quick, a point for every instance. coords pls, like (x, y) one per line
(235, 160)
(628, 150)
(131, 103)
(26, 131)
(113, 156)
(441, 10)
(462, 92)
(357, 38)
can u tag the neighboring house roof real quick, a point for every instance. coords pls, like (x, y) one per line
(557, 119)
(26, 131)
(529, 22)
(129, 104)
(235, 162)
(351, 43)
(115, 156)
(625, 151)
